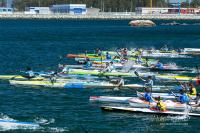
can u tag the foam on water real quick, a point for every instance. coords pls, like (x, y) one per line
(43, 121)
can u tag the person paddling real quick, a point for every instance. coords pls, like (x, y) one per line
(192, 91)
(29, 73)
(108, 56)
(197, 101)
(147, 95)
(109, 67)
(183, 98)
(120, 82)
(159, 65)
(160, 105)
(88, 64)
(148, 82)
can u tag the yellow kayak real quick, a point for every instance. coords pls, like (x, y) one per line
(8, 77)
(174, 77)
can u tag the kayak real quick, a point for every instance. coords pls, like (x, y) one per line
(192, 51)
(161, 95)
(170, 105)
(113, 73)
(77, 84)
(174, 78)
(15, 123)
(109, 99)
(147, 111)
(169, 69)
(8, 77)
(169, 96)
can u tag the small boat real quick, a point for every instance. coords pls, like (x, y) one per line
(170, 105)
(146, 111)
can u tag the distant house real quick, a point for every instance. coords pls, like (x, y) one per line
(5, 10)
(38, 10)
(158, 10)
(93, 10)
(75, 9)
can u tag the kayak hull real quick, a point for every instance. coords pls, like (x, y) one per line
(139, 103)
(145, 110)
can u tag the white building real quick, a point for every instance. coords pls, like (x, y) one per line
(75, 9)
(4, 10)
(38, 10)
(146, 10)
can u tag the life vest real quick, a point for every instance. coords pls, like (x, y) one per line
(193, 92)
(161, 106)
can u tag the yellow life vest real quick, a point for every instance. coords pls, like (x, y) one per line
(193, 93)
(161, 106)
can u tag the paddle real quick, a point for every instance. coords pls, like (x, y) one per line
(198, 70)
(179, 82)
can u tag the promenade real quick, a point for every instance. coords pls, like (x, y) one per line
(117, 16)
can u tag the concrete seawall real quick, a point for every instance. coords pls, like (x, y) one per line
(99, 16)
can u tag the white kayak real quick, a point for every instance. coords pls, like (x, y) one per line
(147, 111)
(168, 96)
(14, 123)
(170, 105)
(112, 99)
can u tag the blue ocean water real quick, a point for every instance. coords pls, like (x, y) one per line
(42, 44)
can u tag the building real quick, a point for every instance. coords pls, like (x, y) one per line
(5, 10)
(156, 10)
(75, 9)
(93, 11)
(38, 10)
(9, 3)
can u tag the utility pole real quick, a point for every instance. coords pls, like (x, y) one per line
(131, 5)
(179, 7)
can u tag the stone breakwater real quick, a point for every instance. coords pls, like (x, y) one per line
(99, 16)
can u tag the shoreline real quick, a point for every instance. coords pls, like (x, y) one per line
(105, 16)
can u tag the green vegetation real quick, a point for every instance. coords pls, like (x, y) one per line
(104, 5)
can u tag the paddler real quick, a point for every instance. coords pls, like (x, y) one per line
(108, 56)
(148, 82)
(192, 90)
(29, 73)
(139, 59)
(165, 48)
(124, 52)
(183, 98)
(109, 67)
(160, 105)
(65, 69)
(88, 64)
(98, 52)
(120, 82)
(197, 101)
(159, 65)
(147, 95)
